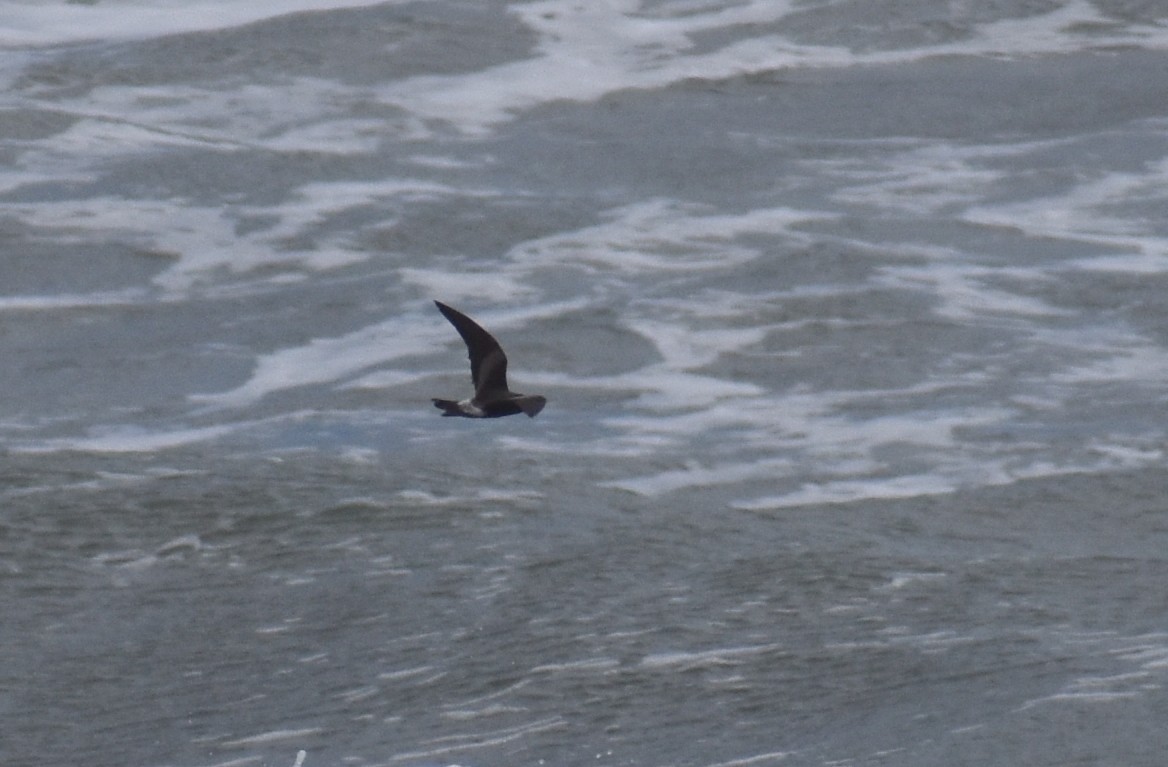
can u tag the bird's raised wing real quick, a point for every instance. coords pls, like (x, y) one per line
(488, 363)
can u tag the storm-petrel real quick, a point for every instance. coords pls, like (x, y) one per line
(488, 370)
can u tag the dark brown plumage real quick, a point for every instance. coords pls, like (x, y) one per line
(488, 371)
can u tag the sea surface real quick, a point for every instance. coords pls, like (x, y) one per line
(852, 317)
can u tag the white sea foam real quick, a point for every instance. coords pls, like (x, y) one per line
(696, 475)
(423, 498)
(452, 744)
(782, 437)
(749, 761)
(1092, 212)
(586, 665)
(456, 285)
(1146, 653)
(204, 243)
(98, 136)
(954, 470)
(901, 580)
(34, 303)
(806, 428)
(407, 673)
(705, 658)
(660, 388)
(1132, 362)
(128, 439)
(587, 50)
(247, 760)
(917, 177)
(1105, 688)
(686, 348)
(847, 491)
(329, 359)
(32, 23)
(386, 379)
(1150, 650)
(662, 236)
(964, 291)
(271, 736)
(495, 709)
(336, 137)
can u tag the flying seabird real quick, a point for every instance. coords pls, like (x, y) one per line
(488, 370)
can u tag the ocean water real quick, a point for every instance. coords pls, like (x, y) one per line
(852, 317)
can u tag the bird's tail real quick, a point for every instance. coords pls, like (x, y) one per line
(447, 406)
(531, 405)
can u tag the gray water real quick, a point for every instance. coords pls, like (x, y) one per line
(850, 316)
